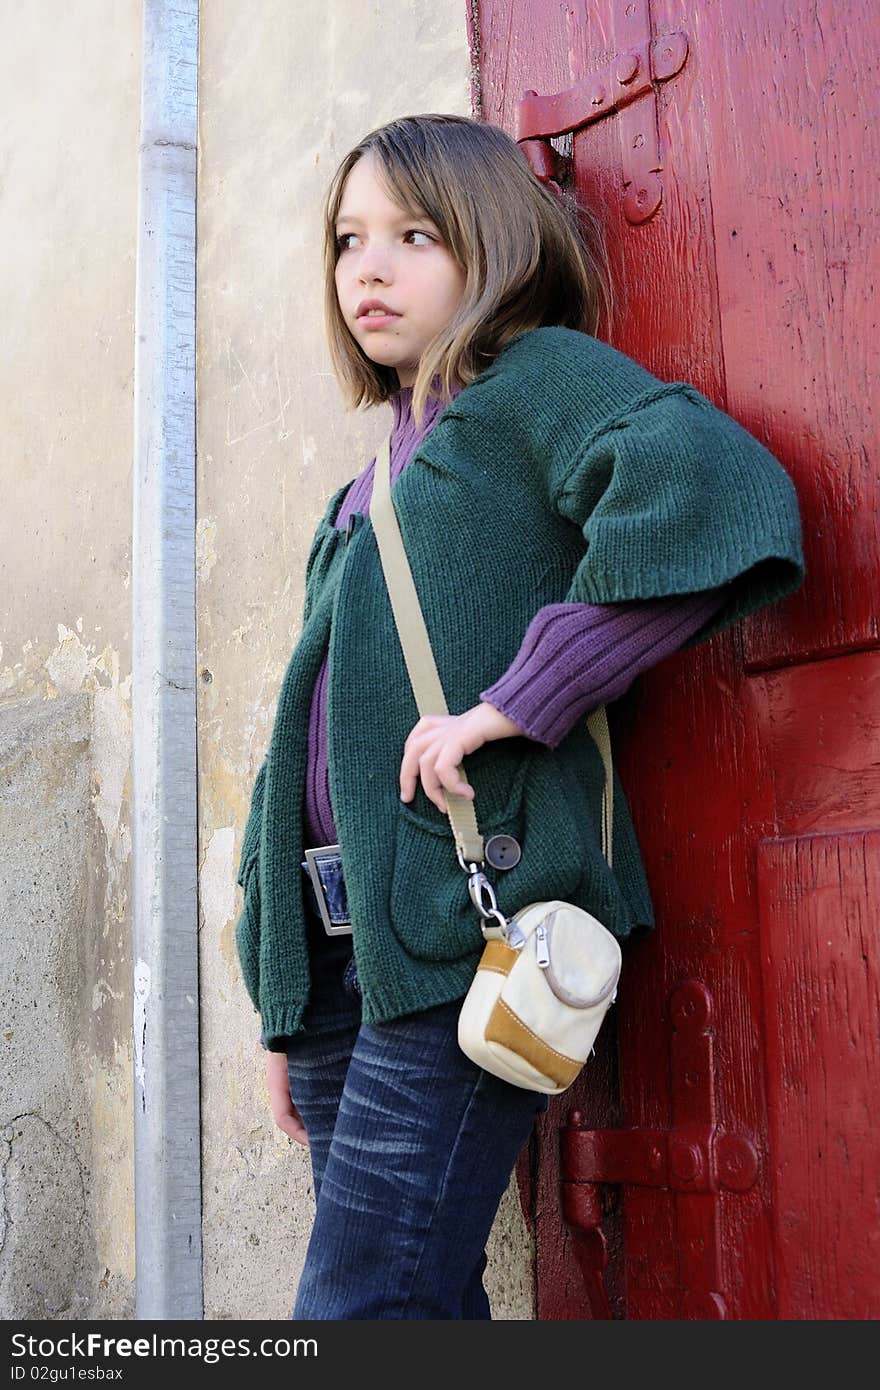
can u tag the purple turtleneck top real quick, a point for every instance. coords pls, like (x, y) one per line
(573, 656)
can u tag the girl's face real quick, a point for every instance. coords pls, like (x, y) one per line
(387, 255)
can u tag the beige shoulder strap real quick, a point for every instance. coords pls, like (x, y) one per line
(422, 668)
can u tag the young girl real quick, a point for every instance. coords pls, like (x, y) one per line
(569, 520)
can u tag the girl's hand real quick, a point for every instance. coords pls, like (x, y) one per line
(438, 743)
(284, 1112)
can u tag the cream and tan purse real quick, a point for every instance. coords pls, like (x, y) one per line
(549, 974)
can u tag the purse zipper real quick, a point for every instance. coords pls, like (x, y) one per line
(543, 953)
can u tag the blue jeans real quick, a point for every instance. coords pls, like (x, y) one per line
(412, 1148)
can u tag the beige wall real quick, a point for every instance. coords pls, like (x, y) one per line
(70, 77)
(285, 89)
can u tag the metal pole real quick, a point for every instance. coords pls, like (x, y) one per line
(164, 809)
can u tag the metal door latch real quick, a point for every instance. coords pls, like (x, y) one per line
(625, 84)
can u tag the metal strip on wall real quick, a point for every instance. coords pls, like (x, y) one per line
(164, 788)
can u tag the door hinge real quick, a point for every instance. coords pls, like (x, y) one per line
(694, 1159)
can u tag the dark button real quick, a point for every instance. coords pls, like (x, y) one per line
(502, 851)
(350, 525)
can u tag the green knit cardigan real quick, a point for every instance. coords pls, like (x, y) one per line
(564, 473)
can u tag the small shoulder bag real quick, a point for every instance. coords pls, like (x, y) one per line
(549, 974)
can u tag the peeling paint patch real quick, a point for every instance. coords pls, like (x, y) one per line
(206, 555)
(68, 665)
(217, 880)
(76, 666)
(111, 748)
(100, 992)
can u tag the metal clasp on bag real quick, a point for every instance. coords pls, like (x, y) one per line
(482, 895)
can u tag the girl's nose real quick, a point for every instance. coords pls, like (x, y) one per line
(374, 265)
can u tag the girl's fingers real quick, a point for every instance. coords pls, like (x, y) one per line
(293, 1127)
(439, 772)
(450, 778)
(409, 767)
(284, 1112)
(436, 767)
(433, 753)
(417, 745)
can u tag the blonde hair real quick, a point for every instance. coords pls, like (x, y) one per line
(530, 258)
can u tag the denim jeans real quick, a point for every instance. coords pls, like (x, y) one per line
(412, 1148)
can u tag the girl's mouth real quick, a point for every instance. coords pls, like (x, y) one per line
(375, 320)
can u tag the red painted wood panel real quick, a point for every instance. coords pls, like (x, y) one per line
(819, 898)
(793, 145)
(754, 280)
(689, 789)
(821, 725)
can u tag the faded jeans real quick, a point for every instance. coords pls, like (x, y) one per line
(412, 1148)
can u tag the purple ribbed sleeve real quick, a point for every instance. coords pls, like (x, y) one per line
(576, 656)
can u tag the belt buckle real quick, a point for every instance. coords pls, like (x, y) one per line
(323, 864)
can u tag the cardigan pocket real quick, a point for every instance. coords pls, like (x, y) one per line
(431, 912)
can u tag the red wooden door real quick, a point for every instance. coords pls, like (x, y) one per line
(717, 1158)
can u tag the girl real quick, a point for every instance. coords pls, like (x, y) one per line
(569, 520)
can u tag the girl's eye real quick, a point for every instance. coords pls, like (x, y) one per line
(414, 232)
(342, 240)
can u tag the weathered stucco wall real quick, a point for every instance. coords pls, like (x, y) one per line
(283, 97)
(70, 77)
